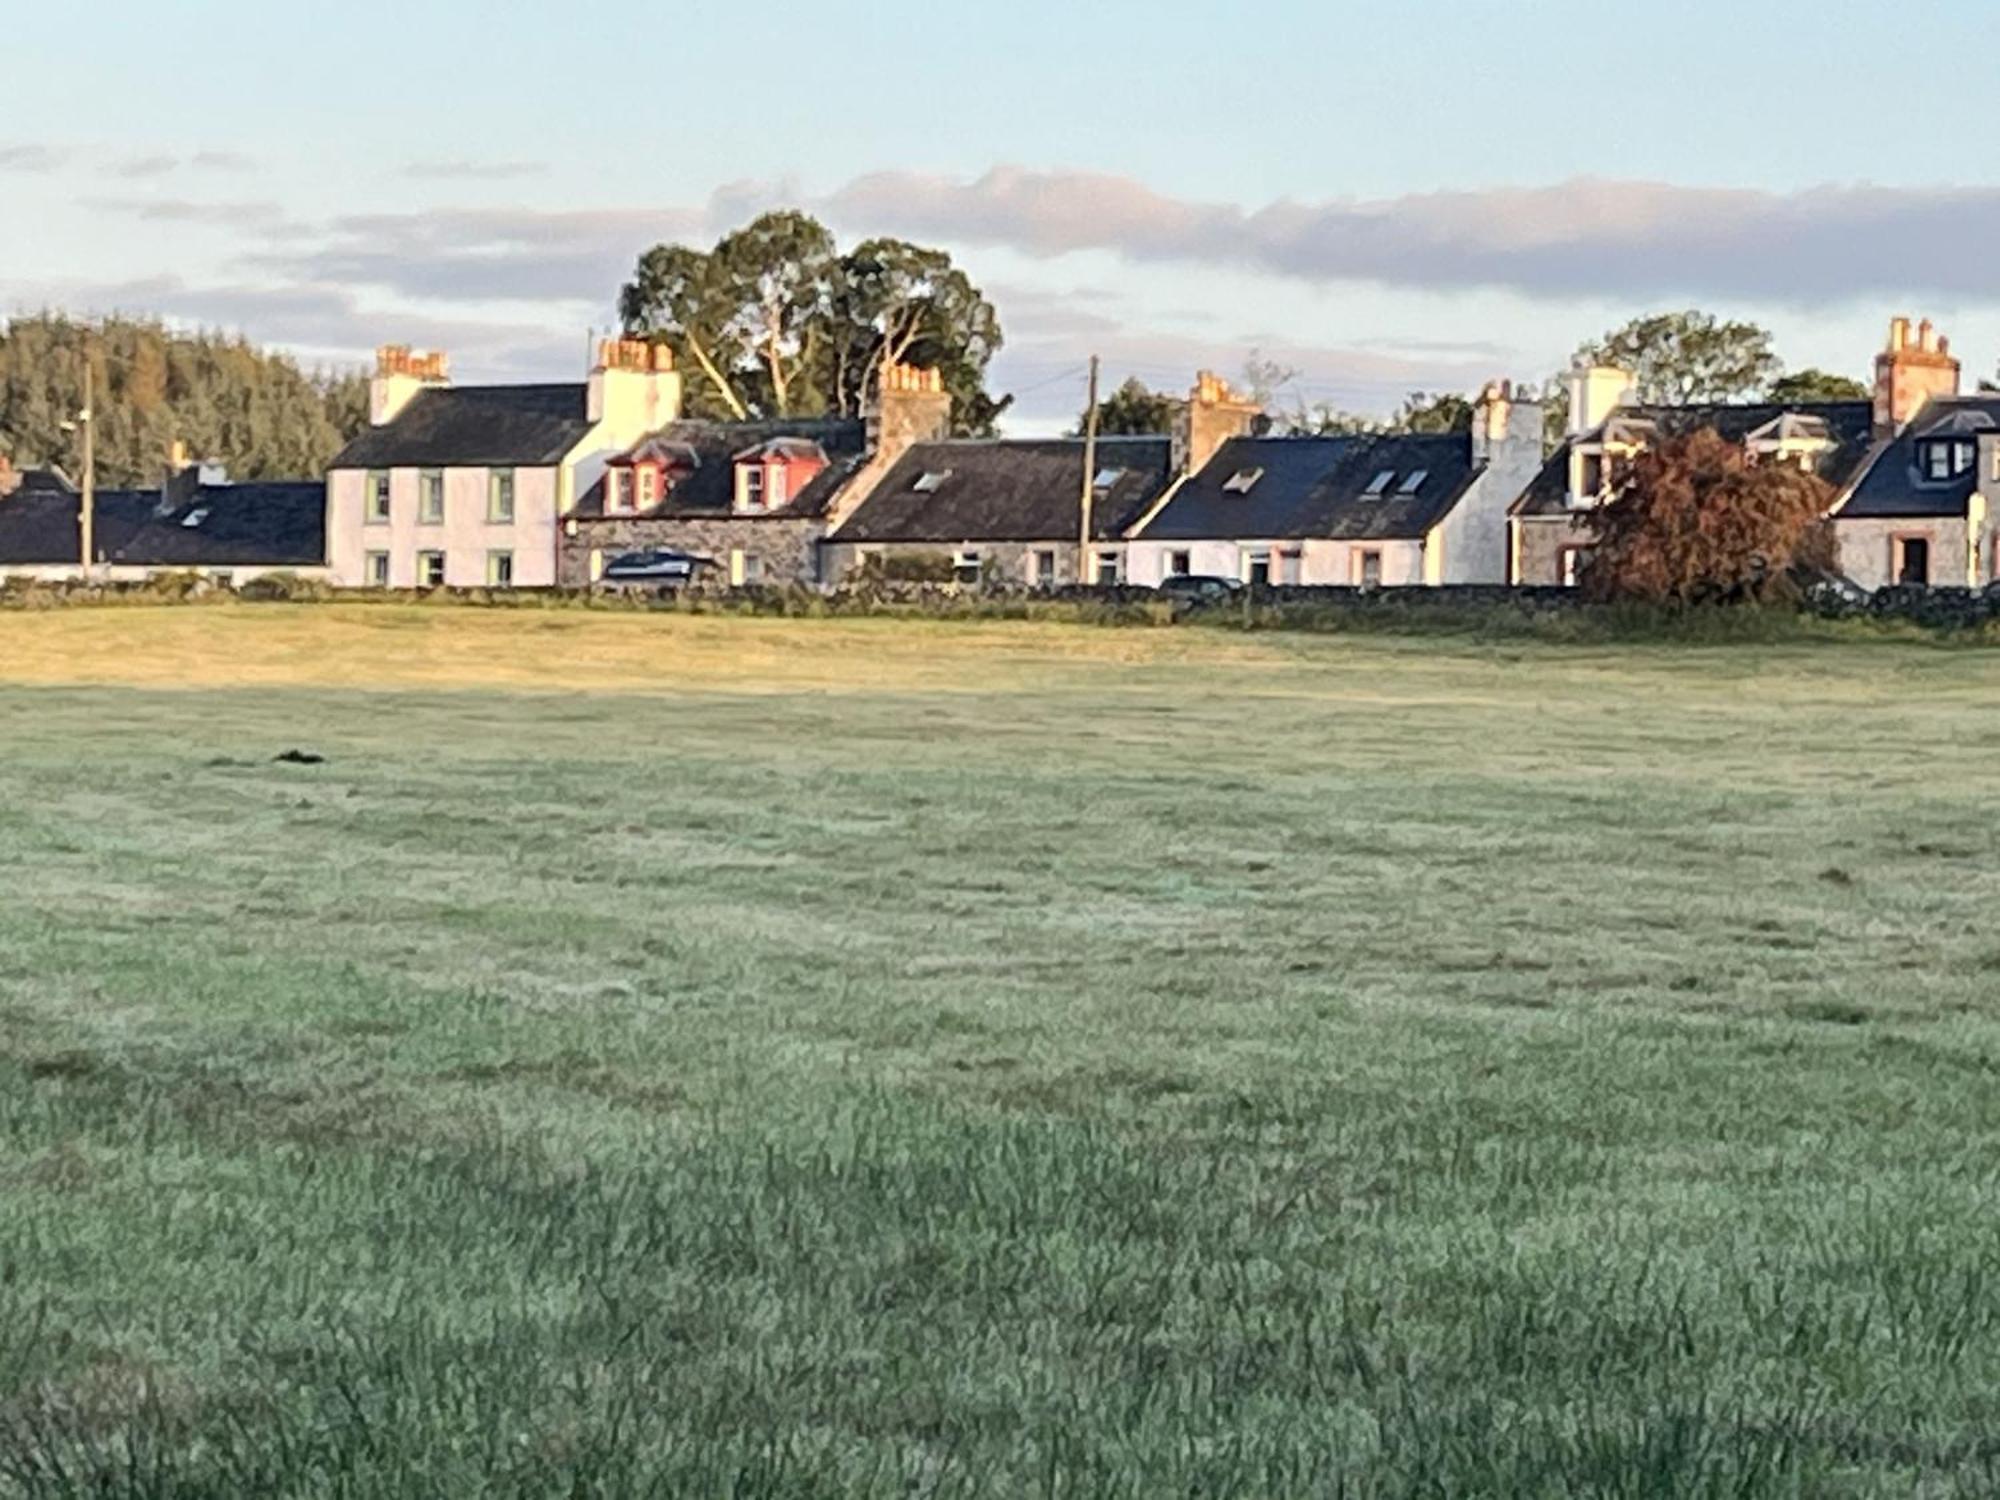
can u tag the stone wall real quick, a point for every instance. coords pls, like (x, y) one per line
(1000, 562)
(1542, 542)
(786, 548)
(1867, 548)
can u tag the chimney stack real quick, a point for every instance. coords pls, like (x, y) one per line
(910, 406)
(400, 373)
(634, 390)
(1909, 373)
(1595, 392)
(1505, 425)
(1212, 415)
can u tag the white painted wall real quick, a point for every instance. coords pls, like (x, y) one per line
(465, 536)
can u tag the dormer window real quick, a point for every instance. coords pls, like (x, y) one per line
(1379, 485)
(618, 492)
(1242, 482)
(931, 481)
(1947, 458)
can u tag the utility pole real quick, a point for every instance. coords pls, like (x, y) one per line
(1089, 478)
(87, 502)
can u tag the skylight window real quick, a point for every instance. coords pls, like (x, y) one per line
(195, 517)
(1379, 485)
(931, 481)
(1242, 482)
(1106, 478)
(1413, 482)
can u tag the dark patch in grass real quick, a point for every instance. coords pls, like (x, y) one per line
(1831, 1012)
(1834, 875)
(299, 758)
(66, 1066)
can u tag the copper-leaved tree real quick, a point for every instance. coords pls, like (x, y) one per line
(1699, 520)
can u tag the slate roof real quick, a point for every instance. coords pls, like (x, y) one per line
(710, 490)
(1010, 490)
(241, 525)
(1850, 424)
(472, 425)
(1893, 485)
(1320, 487)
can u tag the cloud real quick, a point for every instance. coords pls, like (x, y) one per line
(136, 167)
(223, 161)
(1584, 237)
(474, 171)
(261, 214)
(27, 156)
(488, 255)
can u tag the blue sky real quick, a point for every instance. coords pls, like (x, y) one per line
(1382, 196)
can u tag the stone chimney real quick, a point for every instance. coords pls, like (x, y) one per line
(911, 406)
(401, 372)
(1909, 372)
(1212, 416)
(634, 390)
(1595, 392)
(1505, 428)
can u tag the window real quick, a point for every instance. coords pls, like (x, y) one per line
(223, 578)
(430, 570)
(378, 499)
(500, 495)
(1180, 563)
(1107, 568)
(1290, 560)
(1106, 478)
(1946, 459)
(753, 487)
(1368, 568)
(195, 517)
(931, 481)
(1257, 570)
(1042, 567)
(1379, 485)
(1242, 482)
(965, 565)
(1590, 478)
(1413, 482)
(596, 563)
(649, 486)
(1910, 560)
(618, 492)
(375, 569)
(430, 497)
(499, 570)
(744, 567)
(1572, 564)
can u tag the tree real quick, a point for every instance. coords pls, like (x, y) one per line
(1816, 385)
(1691, 356)
(1423, 412)
(1134, 409)
(255, 411)
(1698, 519)
(773, 321)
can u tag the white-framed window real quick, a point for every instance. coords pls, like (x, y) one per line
(500, 570)
(1257, 568)
(1368, 568)
(965, 565)
(596, 563)
(375, 568)
(500, 495)
(750, 487)
(430, 497)
(649, 486)
(1180, 563)
(745, 568)
(1107, 568)
(430, 570)
(1572, 565)
(1042, 567)
(377, 498)
(618, 492)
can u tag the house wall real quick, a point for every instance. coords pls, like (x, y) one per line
(1866, 549)
(1146, 561)
(465, 536)
(1002, 562)
(787, 549)
(1334, 564)
(1542, 542)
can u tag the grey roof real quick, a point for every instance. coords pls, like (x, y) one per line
(241, 525)
(1848, 424)
(1894, 485)
(278, 524)
(476, 425)
(1010, 490)
(1320, 487)
(710, 490)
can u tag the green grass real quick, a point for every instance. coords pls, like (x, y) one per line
(763, 1058)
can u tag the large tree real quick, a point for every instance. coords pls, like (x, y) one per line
(255, 411)
(1134, 409)
(775, 321)
(1816, 385)
(1698, 519)
(1691, 356)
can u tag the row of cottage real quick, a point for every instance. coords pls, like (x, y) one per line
(531, 486)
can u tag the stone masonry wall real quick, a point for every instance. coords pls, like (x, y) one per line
(788, 549)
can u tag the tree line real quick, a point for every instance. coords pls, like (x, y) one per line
(254, 410)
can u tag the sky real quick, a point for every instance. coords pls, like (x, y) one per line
(1382, 197)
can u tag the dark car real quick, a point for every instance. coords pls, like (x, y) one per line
(657, 567)
(1199, 586)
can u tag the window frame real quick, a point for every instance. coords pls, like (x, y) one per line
(499, 560)
(424, 554)
(376, 487)
(1358, 563)
(430, 488)
(501, 481)
(375, 569)
(1042, 567)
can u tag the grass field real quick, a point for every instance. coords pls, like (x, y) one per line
(736, 1057)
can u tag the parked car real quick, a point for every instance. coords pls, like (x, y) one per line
(658, 567)
(1202, 587)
